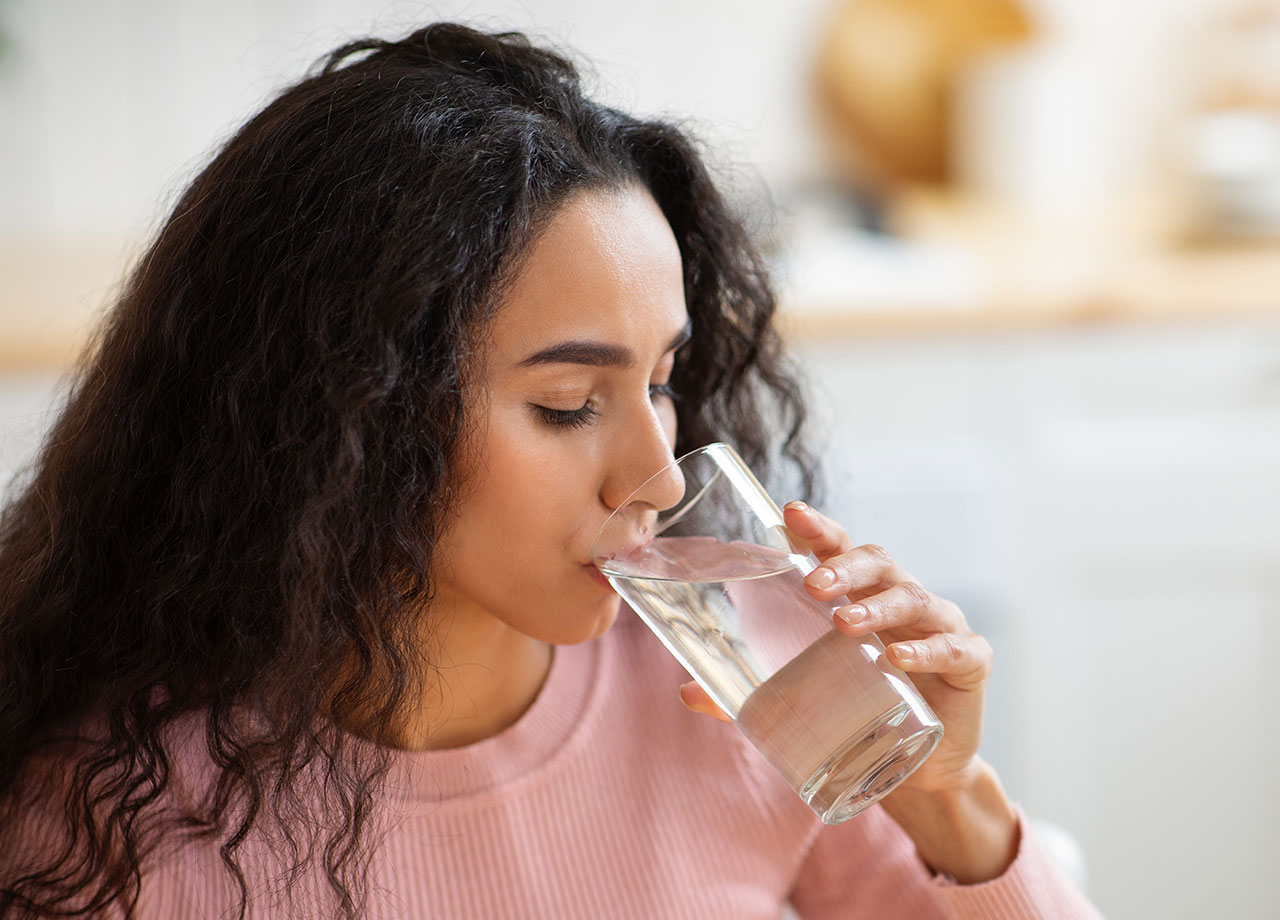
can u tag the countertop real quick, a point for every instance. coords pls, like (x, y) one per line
(1056, 274)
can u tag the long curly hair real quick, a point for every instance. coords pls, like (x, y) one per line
(228, 531)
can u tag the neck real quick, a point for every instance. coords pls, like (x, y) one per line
(484, 677)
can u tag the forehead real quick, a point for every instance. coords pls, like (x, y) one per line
(606, 267)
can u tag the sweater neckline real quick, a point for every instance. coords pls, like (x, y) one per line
(557, 717)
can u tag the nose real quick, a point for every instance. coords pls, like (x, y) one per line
(643, 451)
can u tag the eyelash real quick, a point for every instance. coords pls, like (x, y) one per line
(567, 418)
(581, 417)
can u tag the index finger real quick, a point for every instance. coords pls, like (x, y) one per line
(825, 537)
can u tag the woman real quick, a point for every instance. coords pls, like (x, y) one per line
(296, 612)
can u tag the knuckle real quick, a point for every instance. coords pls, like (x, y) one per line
(841, 564)
(985, 653)
(953, 614)
(916, 593)
(952, 649)
(878, 553)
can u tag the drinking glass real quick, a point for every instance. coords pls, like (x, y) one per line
(701, 553)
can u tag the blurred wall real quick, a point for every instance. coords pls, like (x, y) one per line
(108, 105)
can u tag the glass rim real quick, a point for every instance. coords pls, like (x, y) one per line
(714, 446)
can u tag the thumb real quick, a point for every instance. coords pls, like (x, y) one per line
(696, 699)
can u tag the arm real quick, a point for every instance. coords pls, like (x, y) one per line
(970, 833)
(869, 867)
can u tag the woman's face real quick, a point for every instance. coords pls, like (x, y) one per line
(572, 415)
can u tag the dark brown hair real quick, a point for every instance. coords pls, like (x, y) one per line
(236, 508)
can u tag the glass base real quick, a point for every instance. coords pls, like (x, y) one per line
(871, 764)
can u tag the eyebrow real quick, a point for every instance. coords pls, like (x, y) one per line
(597, 354)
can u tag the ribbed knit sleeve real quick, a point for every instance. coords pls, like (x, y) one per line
(1032, 888)
(868, 867)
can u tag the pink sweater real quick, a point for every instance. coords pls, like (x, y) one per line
(608, 799)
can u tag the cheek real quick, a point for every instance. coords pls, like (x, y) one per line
(518, 536)
(519, 513)
(512, 498)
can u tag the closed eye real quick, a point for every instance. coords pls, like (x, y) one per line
(567, 418)
(586, 413)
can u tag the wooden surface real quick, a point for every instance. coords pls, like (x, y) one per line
(1135, 265)
(1202, 286)
(1061, 275)
(50, 295)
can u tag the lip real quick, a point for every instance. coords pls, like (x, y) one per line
(597, 576)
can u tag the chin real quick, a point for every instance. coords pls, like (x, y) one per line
(603, 615)
(614, 606)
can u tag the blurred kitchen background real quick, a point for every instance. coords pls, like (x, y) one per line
(1029, 255)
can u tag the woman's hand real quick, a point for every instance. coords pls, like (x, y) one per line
(953, 807)
(925, 635)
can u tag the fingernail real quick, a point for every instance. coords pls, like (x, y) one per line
(854, 613)
(821, 577)
(904, 651)
(797, 506)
